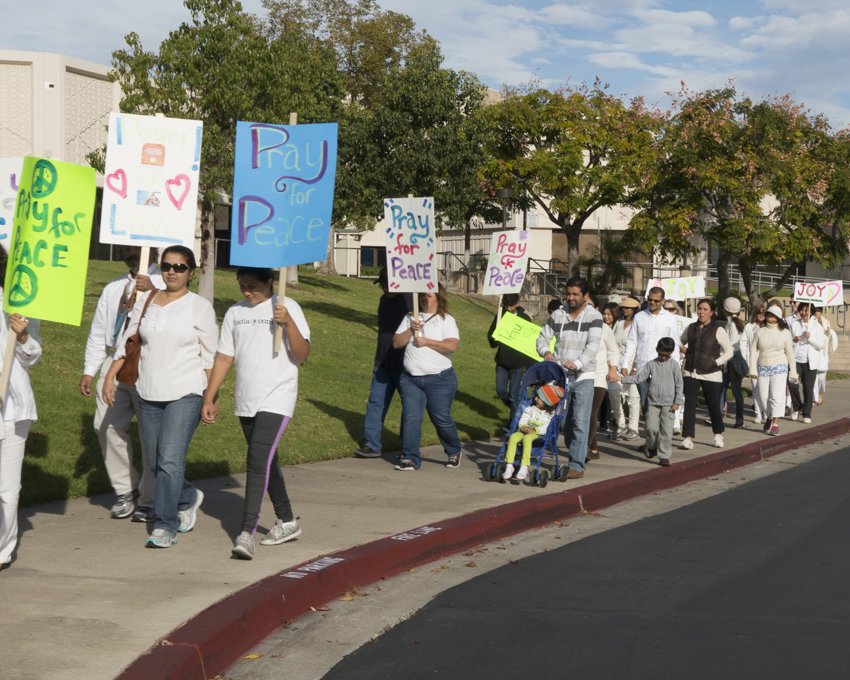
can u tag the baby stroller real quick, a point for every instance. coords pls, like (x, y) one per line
(535, 377)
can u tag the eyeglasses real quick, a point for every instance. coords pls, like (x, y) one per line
(655, 302)
(672, 309)
(178, 268)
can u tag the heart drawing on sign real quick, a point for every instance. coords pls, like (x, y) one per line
(118, 175)
(183, 180)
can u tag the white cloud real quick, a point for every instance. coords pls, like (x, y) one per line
(615, 60)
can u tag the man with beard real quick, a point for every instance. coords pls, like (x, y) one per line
(111, 318)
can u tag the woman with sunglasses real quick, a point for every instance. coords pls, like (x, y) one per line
(178, 334)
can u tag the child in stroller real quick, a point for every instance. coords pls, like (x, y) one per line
(532, 424)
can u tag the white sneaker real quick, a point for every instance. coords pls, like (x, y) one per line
(677, 429)
(523, 472)
(509, 471)
(807, 420)
(795, 415)
(758, 419)
(686, 444)
(718, 441)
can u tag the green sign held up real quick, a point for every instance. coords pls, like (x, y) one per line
(49, 247)
(519, 334)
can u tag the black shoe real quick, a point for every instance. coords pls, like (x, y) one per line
(651, 453)
(404, 465)
(739, 424)
(644, 449)
(665, 462)
(144, 514)
(454, 461)
(367, 452)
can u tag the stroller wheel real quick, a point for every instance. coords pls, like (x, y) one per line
(500, 470)
(563, 471)
(543, 478)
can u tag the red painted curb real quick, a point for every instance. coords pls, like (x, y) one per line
(217, 637)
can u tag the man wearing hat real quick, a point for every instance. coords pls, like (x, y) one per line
(389, 363)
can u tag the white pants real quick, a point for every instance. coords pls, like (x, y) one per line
(111, 426)
(756, 399)
(11, 462)
(630, 393)
(772, 394)
(615, 400)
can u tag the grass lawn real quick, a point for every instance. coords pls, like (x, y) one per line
(63, 458)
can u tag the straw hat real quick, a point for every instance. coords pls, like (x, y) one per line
(732, 305)
(630, 302)
(775, 310)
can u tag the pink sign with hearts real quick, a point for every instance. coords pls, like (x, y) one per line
(151, 181)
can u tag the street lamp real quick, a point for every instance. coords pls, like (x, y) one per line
(504, 194)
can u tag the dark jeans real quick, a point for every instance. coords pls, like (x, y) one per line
(508, 384)
(167, 428)
(435, 394)
(807, 377)
(263, 432)
(712, 392)
(737, 392)
(384, 385)
(599, 394)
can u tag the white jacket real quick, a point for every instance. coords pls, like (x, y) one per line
(20, 401)
(814, 343)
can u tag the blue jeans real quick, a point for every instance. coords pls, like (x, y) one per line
(509, 394)
(737, 392)
(167, 429)
(434, 393)
(577, 422)
(384, 385)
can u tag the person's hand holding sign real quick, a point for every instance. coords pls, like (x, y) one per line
(20, 324)
(143, 283)
(299, 348)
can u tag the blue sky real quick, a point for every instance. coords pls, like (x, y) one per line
(640, 47)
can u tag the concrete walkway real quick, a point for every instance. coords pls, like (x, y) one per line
(83, 598)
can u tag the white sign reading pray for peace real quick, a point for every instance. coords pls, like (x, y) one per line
(150, 192)
(507, 262)
(686, 288)
(10, 177)
(411, 245)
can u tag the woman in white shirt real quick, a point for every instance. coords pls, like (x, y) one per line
(428, 380)
(628, 308)
(772, 362)
(809, 341)
(747, 340)
(18, 414)
(178, 333)
(823, 366)
(736, 368)
(606, 356)
(265, 395)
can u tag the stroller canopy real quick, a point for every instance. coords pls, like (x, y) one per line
(544, 372)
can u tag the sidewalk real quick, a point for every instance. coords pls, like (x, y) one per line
(84, 599)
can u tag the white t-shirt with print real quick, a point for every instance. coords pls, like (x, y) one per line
(425, 360)
(265, 381)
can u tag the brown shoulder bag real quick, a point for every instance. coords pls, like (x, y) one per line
(129, 372)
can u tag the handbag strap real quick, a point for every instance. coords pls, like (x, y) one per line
(145, 309)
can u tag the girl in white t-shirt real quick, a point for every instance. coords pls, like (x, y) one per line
(265, 394)
(428, 380)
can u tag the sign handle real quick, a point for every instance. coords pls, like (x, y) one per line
(7, 367)
(278, 329)
(417, 334)
(499, 313)
(144, 263)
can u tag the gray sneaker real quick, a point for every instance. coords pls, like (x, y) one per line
(189, 516)
(244, 546)
(281, 533)
(160, 538)
(144, 514)
(631, 435)
(124, 506)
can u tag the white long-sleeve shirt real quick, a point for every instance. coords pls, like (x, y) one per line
(808, 349)
(607, 355)
(645, 332)
(20, 401)
(178, 345)
(102, 333)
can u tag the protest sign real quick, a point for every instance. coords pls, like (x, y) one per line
(824, 294)
(507, 262)
(411, 245)
(150, 186)
(520, 335)
(680, 289)
(10, 175)
(283, 192)
(51, 234)
(682, 323)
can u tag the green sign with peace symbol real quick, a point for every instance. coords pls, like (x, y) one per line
(44, 178)
(24, 286)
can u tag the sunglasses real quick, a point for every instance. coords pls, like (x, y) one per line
(178, 268)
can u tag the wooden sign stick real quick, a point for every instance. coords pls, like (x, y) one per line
(281, 273)
(144, 263)
(7, 367)
(499, 313)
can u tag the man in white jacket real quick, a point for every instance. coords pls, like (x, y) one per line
(111, 317)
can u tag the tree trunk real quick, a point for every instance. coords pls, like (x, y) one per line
(573, 253)
(467, 241)
(328, 268)
(292, 275)
(752, 295)
(206, 278)
(723, 260)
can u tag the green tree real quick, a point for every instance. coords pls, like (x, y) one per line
(219, 69)
(762, 180)
(572, 150)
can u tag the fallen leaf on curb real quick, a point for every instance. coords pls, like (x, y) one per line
(501, 547)
(512, 561)
(472, 564)
(412, 570)
(275, 656)
(324, 609)
(545, 549)
(443, 566)
(557, 523)
(377, 589)
(252, 656)
(534, 550)
(312, 609)
(348, 597)
(468, 553)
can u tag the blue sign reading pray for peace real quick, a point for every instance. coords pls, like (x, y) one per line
(283, 192)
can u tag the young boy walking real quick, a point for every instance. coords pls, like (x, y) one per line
(663, 399)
